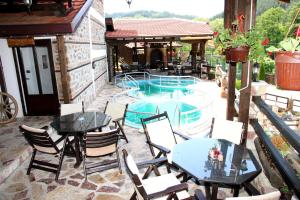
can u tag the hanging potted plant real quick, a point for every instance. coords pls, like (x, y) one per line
(287, 60)
(236, 44)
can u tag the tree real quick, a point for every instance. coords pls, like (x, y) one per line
(271, 24)
(291, 14)
(217, 24)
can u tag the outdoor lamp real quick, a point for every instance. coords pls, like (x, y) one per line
(28, 4)
(129, 2)
(255, 71)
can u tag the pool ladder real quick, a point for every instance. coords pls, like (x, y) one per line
(131, 79)
(179, 114)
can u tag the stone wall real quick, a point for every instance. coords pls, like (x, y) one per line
(87, 72)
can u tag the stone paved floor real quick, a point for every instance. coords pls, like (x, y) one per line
(107, 185)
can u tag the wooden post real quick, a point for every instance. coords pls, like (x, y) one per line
(194, 54)
(62, 59)
(202, 49)
(231, 91)
(171, 52)
(117, 57)
(109, 62)
(145, 53)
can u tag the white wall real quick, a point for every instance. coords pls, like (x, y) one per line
(10, 73)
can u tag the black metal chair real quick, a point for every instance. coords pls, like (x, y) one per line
(40, 140)
(117, 112)
(165, 186)
(98, 144)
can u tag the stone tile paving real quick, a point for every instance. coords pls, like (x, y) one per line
(107, 185)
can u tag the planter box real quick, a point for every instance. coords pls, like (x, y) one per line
(239, 54)
(288, 70)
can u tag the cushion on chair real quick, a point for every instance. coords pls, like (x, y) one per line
(269, 196)
(52, 134)
(160, 133)
(159, 183)
(66, 109)
(228, 130)
(100, 151)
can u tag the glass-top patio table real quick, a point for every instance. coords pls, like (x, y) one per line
(195, 158)
(77, 124)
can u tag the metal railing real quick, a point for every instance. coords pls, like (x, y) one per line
(288, 173)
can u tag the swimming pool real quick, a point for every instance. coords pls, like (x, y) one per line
(179, 113)
(153, 94)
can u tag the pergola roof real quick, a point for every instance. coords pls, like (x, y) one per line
(144, 28)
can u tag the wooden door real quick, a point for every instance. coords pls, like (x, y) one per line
(37, 77)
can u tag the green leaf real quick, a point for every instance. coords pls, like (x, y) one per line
(289, 44)
(272, 49)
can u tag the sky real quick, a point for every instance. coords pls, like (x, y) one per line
(199, 8)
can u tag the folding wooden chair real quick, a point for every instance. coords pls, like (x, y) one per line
(40, 140)
(67, 109)
(98, 144)
(160, 187)
(160, 135)
(228, 130)
(117, 112)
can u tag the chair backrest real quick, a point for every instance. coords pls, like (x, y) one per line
(67, 109)
(134, 174)
(269, 196)
(115, 110)
(39, 139)
(296, 105)
(228, 130)
(101, 143)
(159, 131)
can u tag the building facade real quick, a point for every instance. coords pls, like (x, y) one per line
(43, 69)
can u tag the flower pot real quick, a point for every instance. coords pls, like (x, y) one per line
(288, 70)
(239, 54)
(270, 78)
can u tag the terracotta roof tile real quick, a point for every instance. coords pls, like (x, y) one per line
(158, 27)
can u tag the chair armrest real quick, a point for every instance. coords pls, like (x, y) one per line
(156, 161)
(161, 148)
(181, 135)
(173, 189)
(118, 119)
(45, 127)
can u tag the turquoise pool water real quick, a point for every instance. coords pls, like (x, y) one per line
(159, 88)
(147, 109)
(159, 95)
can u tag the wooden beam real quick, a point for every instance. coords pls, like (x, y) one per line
(62, 59)
(231, 91)
(245, 94)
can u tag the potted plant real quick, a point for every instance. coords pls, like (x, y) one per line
(237, 44)
(287, 61)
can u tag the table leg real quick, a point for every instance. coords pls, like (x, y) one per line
(77, 151)
(236, 191)
(214, 192)
(207, 191)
